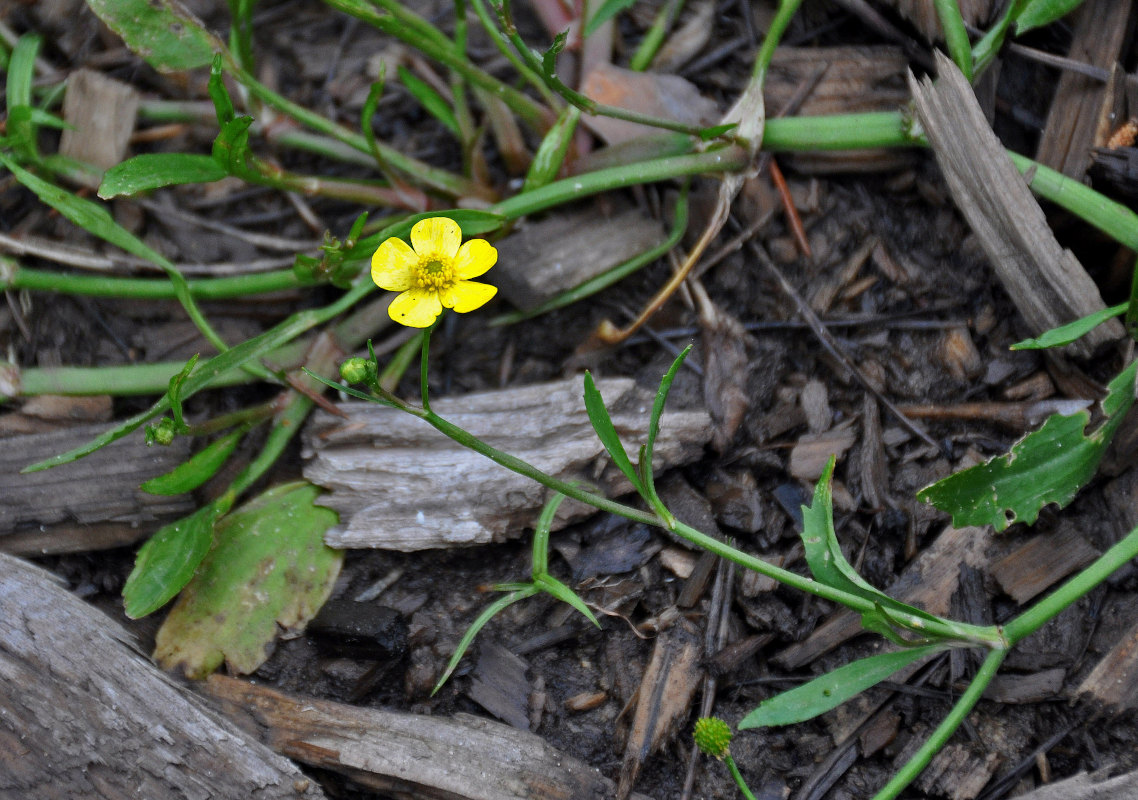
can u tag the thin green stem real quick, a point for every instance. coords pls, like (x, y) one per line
(1051, 606)
(38, 280)
(778, 26)
(738, 776)
(495, 34)
(947, 727)
(654, 37)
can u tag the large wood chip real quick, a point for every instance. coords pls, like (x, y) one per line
(1089, 786)
(95, 501)
(1042, 561)
(1113, 683)
(667, 96)
(546, 258)
(1045, 281)
(664, 698)
(409, 755)
(399, 484)
(86, 715)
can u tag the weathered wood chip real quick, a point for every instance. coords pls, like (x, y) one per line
(667, 96)
(812, 451)
(85, 496)
(1042, 561)
(664, 698)
(1113, 683)
(410, 755)
(1045, 281)
(1089, 786)
(86, 715)
(399, 484)
(102, 110)
(542, 259)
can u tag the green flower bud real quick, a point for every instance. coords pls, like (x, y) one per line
(357, 370)
(163, 433)
(712, 736)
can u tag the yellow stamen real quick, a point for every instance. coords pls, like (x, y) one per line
(434, 273)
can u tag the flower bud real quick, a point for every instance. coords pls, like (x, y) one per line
(357, 370)
(712, 736)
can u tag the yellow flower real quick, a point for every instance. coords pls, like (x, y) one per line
(433, 272)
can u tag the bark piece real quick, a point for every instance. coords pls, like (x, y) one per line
(664, 698)
(1114, 681)
(499, 684)
(812, 451)
(1045, 281)
(545, 258)
(399, 484)
(86, 715)
(1075, 122)
(103, 112)
(409, 755)
(100, 490)
(928, 583)
(1041, 562)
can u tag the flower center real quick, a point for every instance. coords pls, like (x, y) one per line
(434, 273)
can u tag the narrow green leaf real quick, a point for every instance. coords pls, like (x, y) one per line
(174, 392)
(715, 131)
(1065, 334)
(21, 127)
(549, 57)
(163, 32)
(1049, 465)
(955, 35)
(521, 593)
(829, 691)
(647, 450)
(231, 147)
(431, 101)
(268, 572)
(602, 424)
(550, 155)
(197, 470)
(219, 94)
(552, 586)
(608, 10)
(155, 170)
(167, 562)
(1038, 13)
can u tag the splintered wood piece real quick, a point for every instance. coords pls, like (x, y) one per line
(667, 96)
(928, 582)
(1074, 121)
(103, 112)
(1113, 683)
(1089, 786)
(1034, 688)
(100, 491)
(409, 755)
(1041, 562)
(399, 484)
(542, 259)
(663, 699)
(500, 686)
(1045, 281)
(959, 770)
(86, 715)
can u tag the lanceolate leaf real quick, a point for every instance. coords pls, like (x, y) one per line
(832, 689)
(1038, 13)
(155, 170)
(167, 562)
(602, 424)
(1065, 334)
(433, 102)
(1047, 466)
(197, 470)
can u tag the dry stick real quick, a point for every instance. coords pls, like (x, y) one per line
(264, 241)
(792, 218)
(831, 344)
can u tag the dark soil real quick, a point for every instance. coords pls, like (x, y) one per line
(318, 58)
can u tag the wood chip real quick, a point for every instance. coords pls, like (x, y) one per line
(811, 452)
(664, 698)
(667, 96)
(1034, 688)
(409, 755)
(86, 715)
(100, 490)
(543, 259)
(815, 402)
(399, 484)
(1113, 683)
(1045, 281)
(1089, 786)
(103, 111)
(1043, 561)
(500, 686)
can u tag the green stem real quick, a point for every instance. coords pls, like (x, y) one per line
(495, 34)
(738, 776)
(947, 727)
(1049, 607)
(37, 280)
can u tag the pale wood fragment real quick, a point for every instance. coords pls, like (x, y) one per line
(1042, 561)
(667, 96)
(100, 491)
(408, 755)
(84, 714)
(399, 484)
(1113, 683)
(813, 451)
(544, 258)
(102, 110)
(1045, 281)
(1089, 786)
(1075, 119)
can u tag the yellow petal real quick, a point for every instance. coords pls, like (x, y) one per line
(437, 237)
(393, 265)
(474, 258)
(417, 308)
(467, 295)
